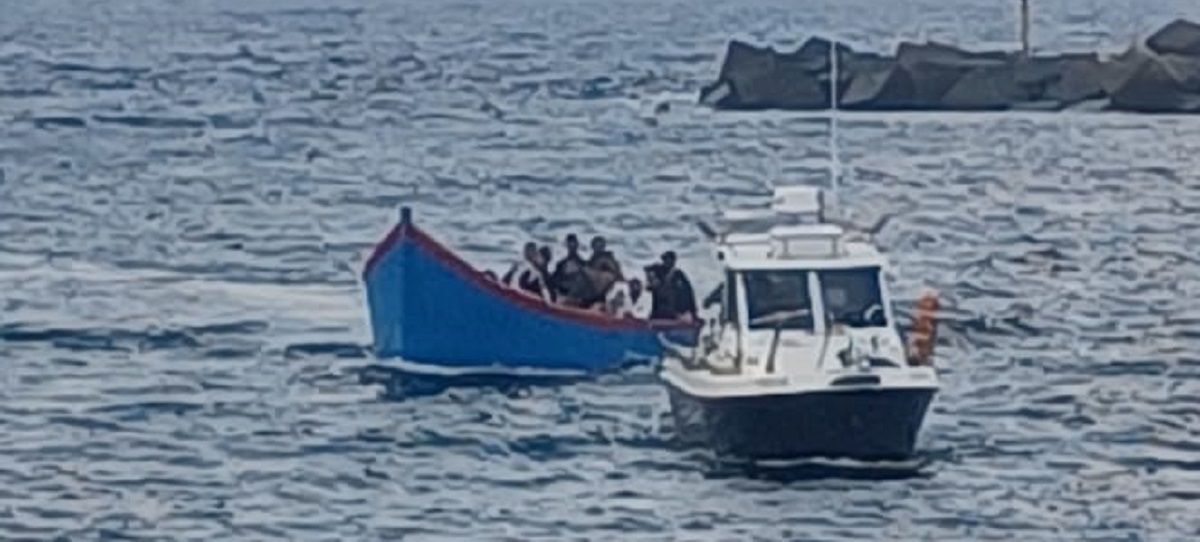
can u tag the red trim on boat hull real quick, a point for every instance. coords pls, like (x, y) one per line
(385, 246)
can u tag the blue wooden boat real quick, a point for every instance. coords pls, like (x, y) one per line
(436, 315)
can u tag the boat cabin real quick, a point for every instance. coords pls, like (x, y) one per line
(797, 292)
(804, 359)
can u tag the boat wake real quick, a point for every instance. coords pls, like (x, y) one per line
(398, 384)
(822, 468)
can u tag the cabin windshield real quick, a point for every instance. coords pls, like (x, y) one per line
(778, 299)
(852, 297)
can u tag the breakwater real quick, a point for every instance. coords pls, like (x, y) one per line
(1160, 74)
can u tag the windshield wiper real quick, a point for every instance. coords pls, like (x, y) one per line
(779, 317)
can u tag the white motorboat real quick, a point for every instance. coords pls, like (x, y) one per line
(805, 358)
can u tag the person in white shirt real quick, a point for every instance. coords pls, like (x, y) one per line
(527, 275)
(625, 300)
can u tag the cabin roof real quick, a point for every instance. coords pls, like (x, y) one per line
(852, 255)
(790, 234)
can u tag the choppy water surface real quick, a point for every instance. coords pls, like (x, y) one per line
(187, 190)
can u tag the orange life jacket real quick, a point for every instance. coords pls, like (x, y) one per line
(924, 331)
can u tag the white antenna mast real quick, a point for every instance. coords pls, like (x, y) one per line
(1025, 28)
(835, 169)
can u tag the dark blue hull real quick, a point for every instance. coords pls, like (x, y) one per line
(438, 315)
(860, 424)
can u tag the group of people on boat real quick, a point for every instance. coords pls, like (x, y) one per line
(598, 283)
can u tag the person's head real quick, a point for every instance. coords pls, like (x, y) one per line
(635, 289)
(572, 244)
(668, 260)
(653, 275)
(599, 244)
(546, 254)
(530, 252)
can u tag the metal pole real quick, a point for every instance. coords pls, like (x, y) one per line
(1025, 28)
(834, 159)
(833, 77)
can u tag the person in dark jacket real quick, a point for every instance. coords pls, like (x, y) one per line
(569, 270)
(660, 303)
(603, 260)
(671, 293)
(601, 271)
(683, 297)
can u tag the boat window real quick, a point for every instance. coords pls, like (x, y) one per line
(852, 297)
(778, 299)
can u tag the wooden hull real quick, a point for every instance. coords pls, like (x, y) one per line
(434, 311)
